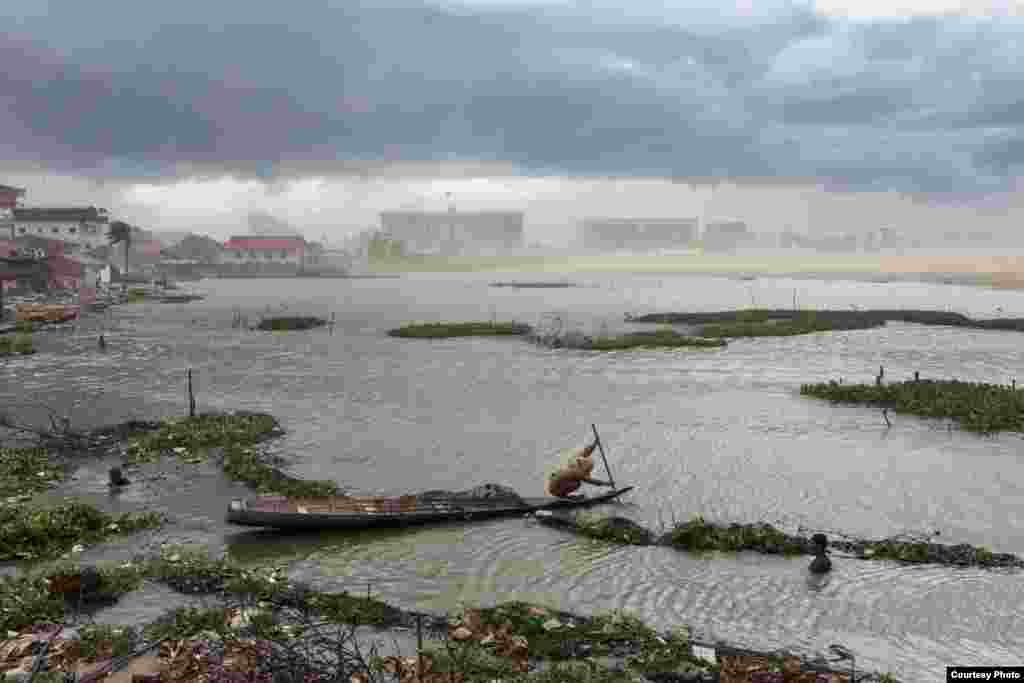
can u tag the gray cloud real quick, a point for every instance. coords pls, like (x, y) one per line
(341, 86)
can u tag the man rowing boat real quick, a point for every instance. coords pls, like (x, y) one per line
(576, 470)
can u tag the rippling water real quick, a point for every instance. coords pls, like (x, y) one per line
(722, 433)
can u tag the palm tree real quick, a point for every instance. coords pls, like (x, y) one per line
(121, 232)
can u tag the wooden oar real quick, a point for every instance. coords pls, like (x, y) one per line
(601, 447)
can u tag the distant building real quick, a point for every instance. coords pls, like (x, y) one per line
(9, 198)
(82, 226)
(266, 253)
(726, 235)
(452, 232)
(639, 233)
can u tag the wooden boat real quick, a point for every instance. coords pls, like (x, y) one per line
(50, 313)
(343, 512)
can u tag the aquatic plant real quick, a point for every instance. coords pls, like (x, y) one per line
(659, 338)
(245, 465)
(466, 329)
(924, 552)
(295, 322)
(20, 343)
(29, 533)
(618, 529)
(801, 323)
(23, 344)
(24, 471)
(839, 319)
(698, 535)
(976, 406)
(186, 436)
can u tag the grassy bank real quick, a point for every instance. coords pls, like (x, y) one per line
(975, 406)
(265, 624)
(467, 329)
(765, 319)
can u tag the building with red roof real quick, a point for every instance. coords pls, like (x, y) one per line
(268, 253)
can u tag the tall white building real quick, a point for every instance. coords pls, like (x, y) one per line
(451, 232)
(81, 226)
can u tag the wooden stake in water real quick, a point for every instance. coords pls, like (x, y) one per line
(419, 644)
(601, 447)
(191, 396)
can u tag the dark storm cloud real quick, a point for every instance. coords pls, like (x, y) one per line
(269, 89)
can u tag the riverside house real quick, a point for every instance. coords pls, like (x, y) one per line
(85, 227)
(268, 255)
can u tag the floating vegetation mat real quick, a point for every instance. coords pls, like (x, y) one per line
(19, 344)
(698, 535)
(976, 406)
(230, 438)
(467, 329)
(284, 323)
(836, 319)
(30, 533)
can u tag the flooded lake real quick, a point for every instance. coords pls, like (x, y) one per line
(722, 433)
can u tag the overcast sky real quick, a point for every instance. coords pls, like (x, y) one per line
(325, 111)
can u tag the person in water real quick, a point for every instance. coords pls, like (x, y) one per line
(820, 564)
(576, 471)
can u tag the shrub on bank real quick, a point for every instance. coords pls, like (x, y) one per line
(467, 329)
(976, 406)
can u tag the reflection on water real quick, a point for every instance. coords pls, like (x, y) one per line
(721, 433)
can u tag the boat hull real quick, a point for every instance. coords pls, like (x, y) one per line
(249, 513)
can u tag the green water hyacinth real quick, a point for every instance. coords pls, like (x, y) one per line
(657, 339)
(24, 471)
(186, 437)
(467, 329)
(286, 323)
(698, 535)
(977, 407)
(30, 533)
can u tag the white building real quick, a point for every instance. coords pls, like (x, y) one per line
(81, 226)
(451, 232)
(639, 233)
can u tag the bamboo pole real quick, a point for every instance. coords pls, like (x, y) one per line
(605, 459)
